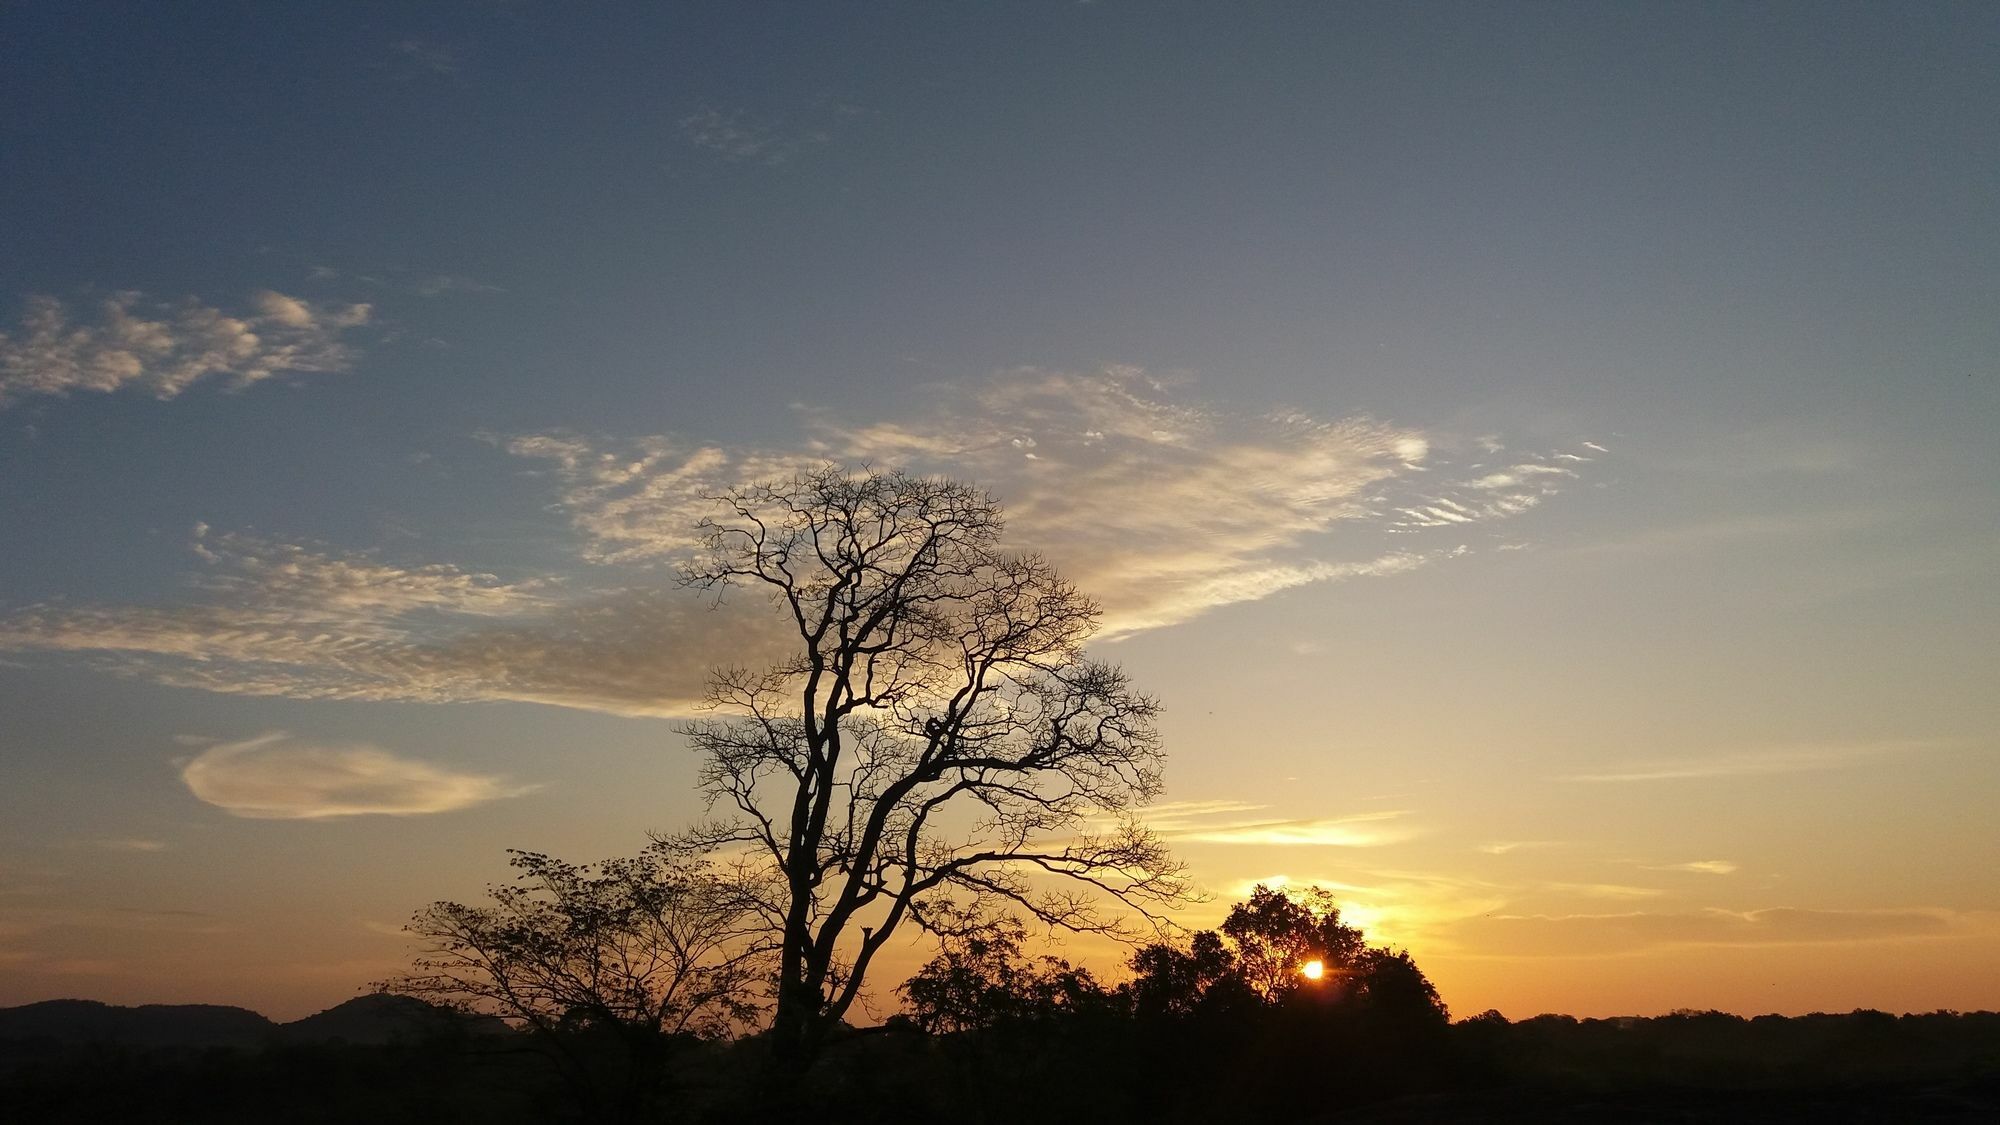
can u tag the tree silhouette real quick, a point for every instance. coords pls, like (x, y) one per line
(1275, 935)
(937, 681)
(608, 965)
(1260, 953)
(981, 979)
(1174, 983)
(1388, 984)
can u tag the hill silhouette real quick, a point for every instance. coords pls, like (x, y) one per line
(379, 1018)
(148, 1025)
(375, 1019)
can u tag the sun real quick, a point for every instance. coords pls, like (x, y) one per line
(1312, 970)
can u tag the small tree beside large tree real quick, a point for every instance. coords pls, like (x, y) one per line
(608, 967)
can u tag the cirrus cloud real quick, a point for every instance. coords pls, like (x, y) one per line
(1546, 935)
(281, 619)
(1163, 509)
(1229, 822)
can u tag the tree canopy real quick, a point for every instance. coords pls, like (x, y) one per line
(605, 964)
(1260, 954)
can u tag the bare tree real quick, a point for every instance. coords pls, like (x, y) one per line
(607, 965)
(938, 735)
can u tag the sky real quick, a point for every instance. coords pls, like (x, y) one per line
(1542, 456)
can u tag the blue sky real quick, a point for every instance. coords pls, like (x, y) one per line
(1542, 455)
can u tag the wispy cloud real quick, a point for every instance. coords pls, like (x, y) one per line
(401, 279)
(1224, 822)
(128, 342)
(262, 572)
(1602, 890)
(131, 844)
(1162, 509)
(277, 777)
(739, 136)
(410, 57)
(437, 284)
(1392, 906)
(1697, 867)
(287, 620)
(1505, 847)
(1493, 494)
(1340, 832)
(1569, 935)
(1759, 762)
(1170, 815)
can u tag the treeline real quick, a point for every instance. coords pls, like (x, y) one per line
(1300, 1061)
(1305, 1060)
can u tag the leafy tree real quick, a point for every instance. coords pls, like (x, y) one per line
(1388, 983)
(1171, 982)
(981, 979)
(1275, 935)
(607, 965)
(937, 733)
(1260, 953)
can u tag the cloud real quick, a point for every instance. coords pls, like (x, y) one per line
(1177, 814)
(281, 619)
(1494, 494)
(437, 284)
(275, 777)
(163, 349)
(1342, 832)
(130, 844)
(1163, 510)
(1697, 867)
(1503, 847)
(257, 571)
(413, 56)
(1398, 907)
(742, 138)
(1755, 763)
(402, 279)
(1194, 822)
(1568, 935)
(1603, 890)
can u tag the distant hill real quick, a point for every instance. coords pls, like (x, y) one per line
(380, 1018)
(149, 1025)
(374, 1019)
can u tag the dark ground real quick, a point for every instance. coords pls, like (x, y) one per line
(388, 1063)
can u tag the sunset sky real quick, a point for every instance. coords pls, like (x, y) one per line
(1544, 457)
